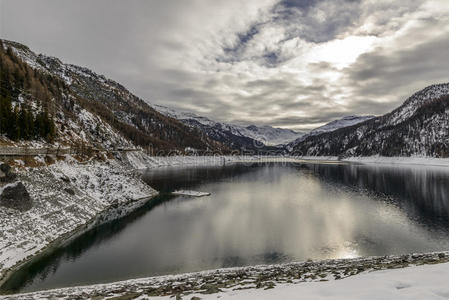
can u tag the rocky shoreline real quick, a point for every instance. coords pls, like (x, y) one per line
(193, 285)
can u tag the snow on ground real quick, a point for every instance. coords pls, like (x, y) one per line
(68, 198)
(382, 160)
(421, 282)
(427, 161)
(140, 160)
(191, 193)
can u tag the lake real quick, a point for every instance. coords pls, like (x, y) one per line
(262, 213)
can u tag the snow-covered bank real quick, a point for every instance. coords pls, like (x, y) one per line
(413, 160)
(140, 160)
(68, 199)
(421, 282)
(425, 161)
(274, 281)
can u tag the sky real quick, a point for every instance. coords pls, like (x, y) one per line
(287, 63)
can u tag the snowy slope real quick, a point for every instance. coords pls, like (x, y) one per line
(337, 124)
(266, 135)
(331, 126)
(422, 282)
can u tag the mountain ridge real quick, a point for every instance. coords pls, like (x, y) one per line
(267, 135)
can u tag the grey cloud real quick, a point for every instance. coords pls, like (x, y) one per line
(396, 75)
(228, 64)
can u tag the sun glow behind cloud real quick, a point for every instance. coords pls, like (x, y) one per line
(341, 52)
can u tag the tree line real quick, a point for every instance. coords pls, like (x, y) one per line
(19, 123)
(18, 81)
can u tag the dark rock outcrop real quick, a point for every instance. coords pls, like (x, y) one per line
(69, 191)
(16, 196)
(6, 174)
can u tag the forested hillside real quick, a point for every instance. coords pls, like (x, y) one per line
(44, 99)
(20, 82)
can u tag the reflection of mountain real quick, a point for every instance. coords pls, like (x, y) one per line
(173, 178)
(422, 193)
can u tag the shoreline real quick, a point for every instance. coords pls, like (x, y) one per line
(106, 213)
(222, 281)
(383, 160)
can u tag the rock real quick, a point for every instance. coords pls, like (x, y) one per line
(5, 168)
(16, 196)
(6, 174)
(65, 179)
(69, 191)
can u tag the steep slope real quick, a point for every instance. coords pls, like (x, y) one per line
(234, 136)
(341, 123)
(418, 127)
(98, 111)
(329, 127)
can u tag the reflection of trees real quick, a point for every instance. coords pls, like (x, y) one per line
(423, 193)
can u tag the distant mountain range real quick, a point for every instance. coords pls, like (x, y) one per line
(90, 109)
(259, 135)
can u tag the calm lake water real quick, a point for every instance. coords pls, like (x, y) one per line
(257, 214)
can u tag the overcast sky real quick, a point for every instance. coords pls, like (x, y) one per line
(287, 63)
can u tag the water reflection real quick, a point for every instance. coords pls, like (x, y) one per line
(266, 213)
(423, 192)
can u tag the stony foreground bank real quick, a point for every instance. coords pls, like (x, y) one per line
(196, 285)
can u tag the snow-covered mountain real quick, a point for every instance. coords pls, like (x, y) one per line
(418, 127)
(329, 127)
(272, 135)
(340, 123)
(261, 135)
